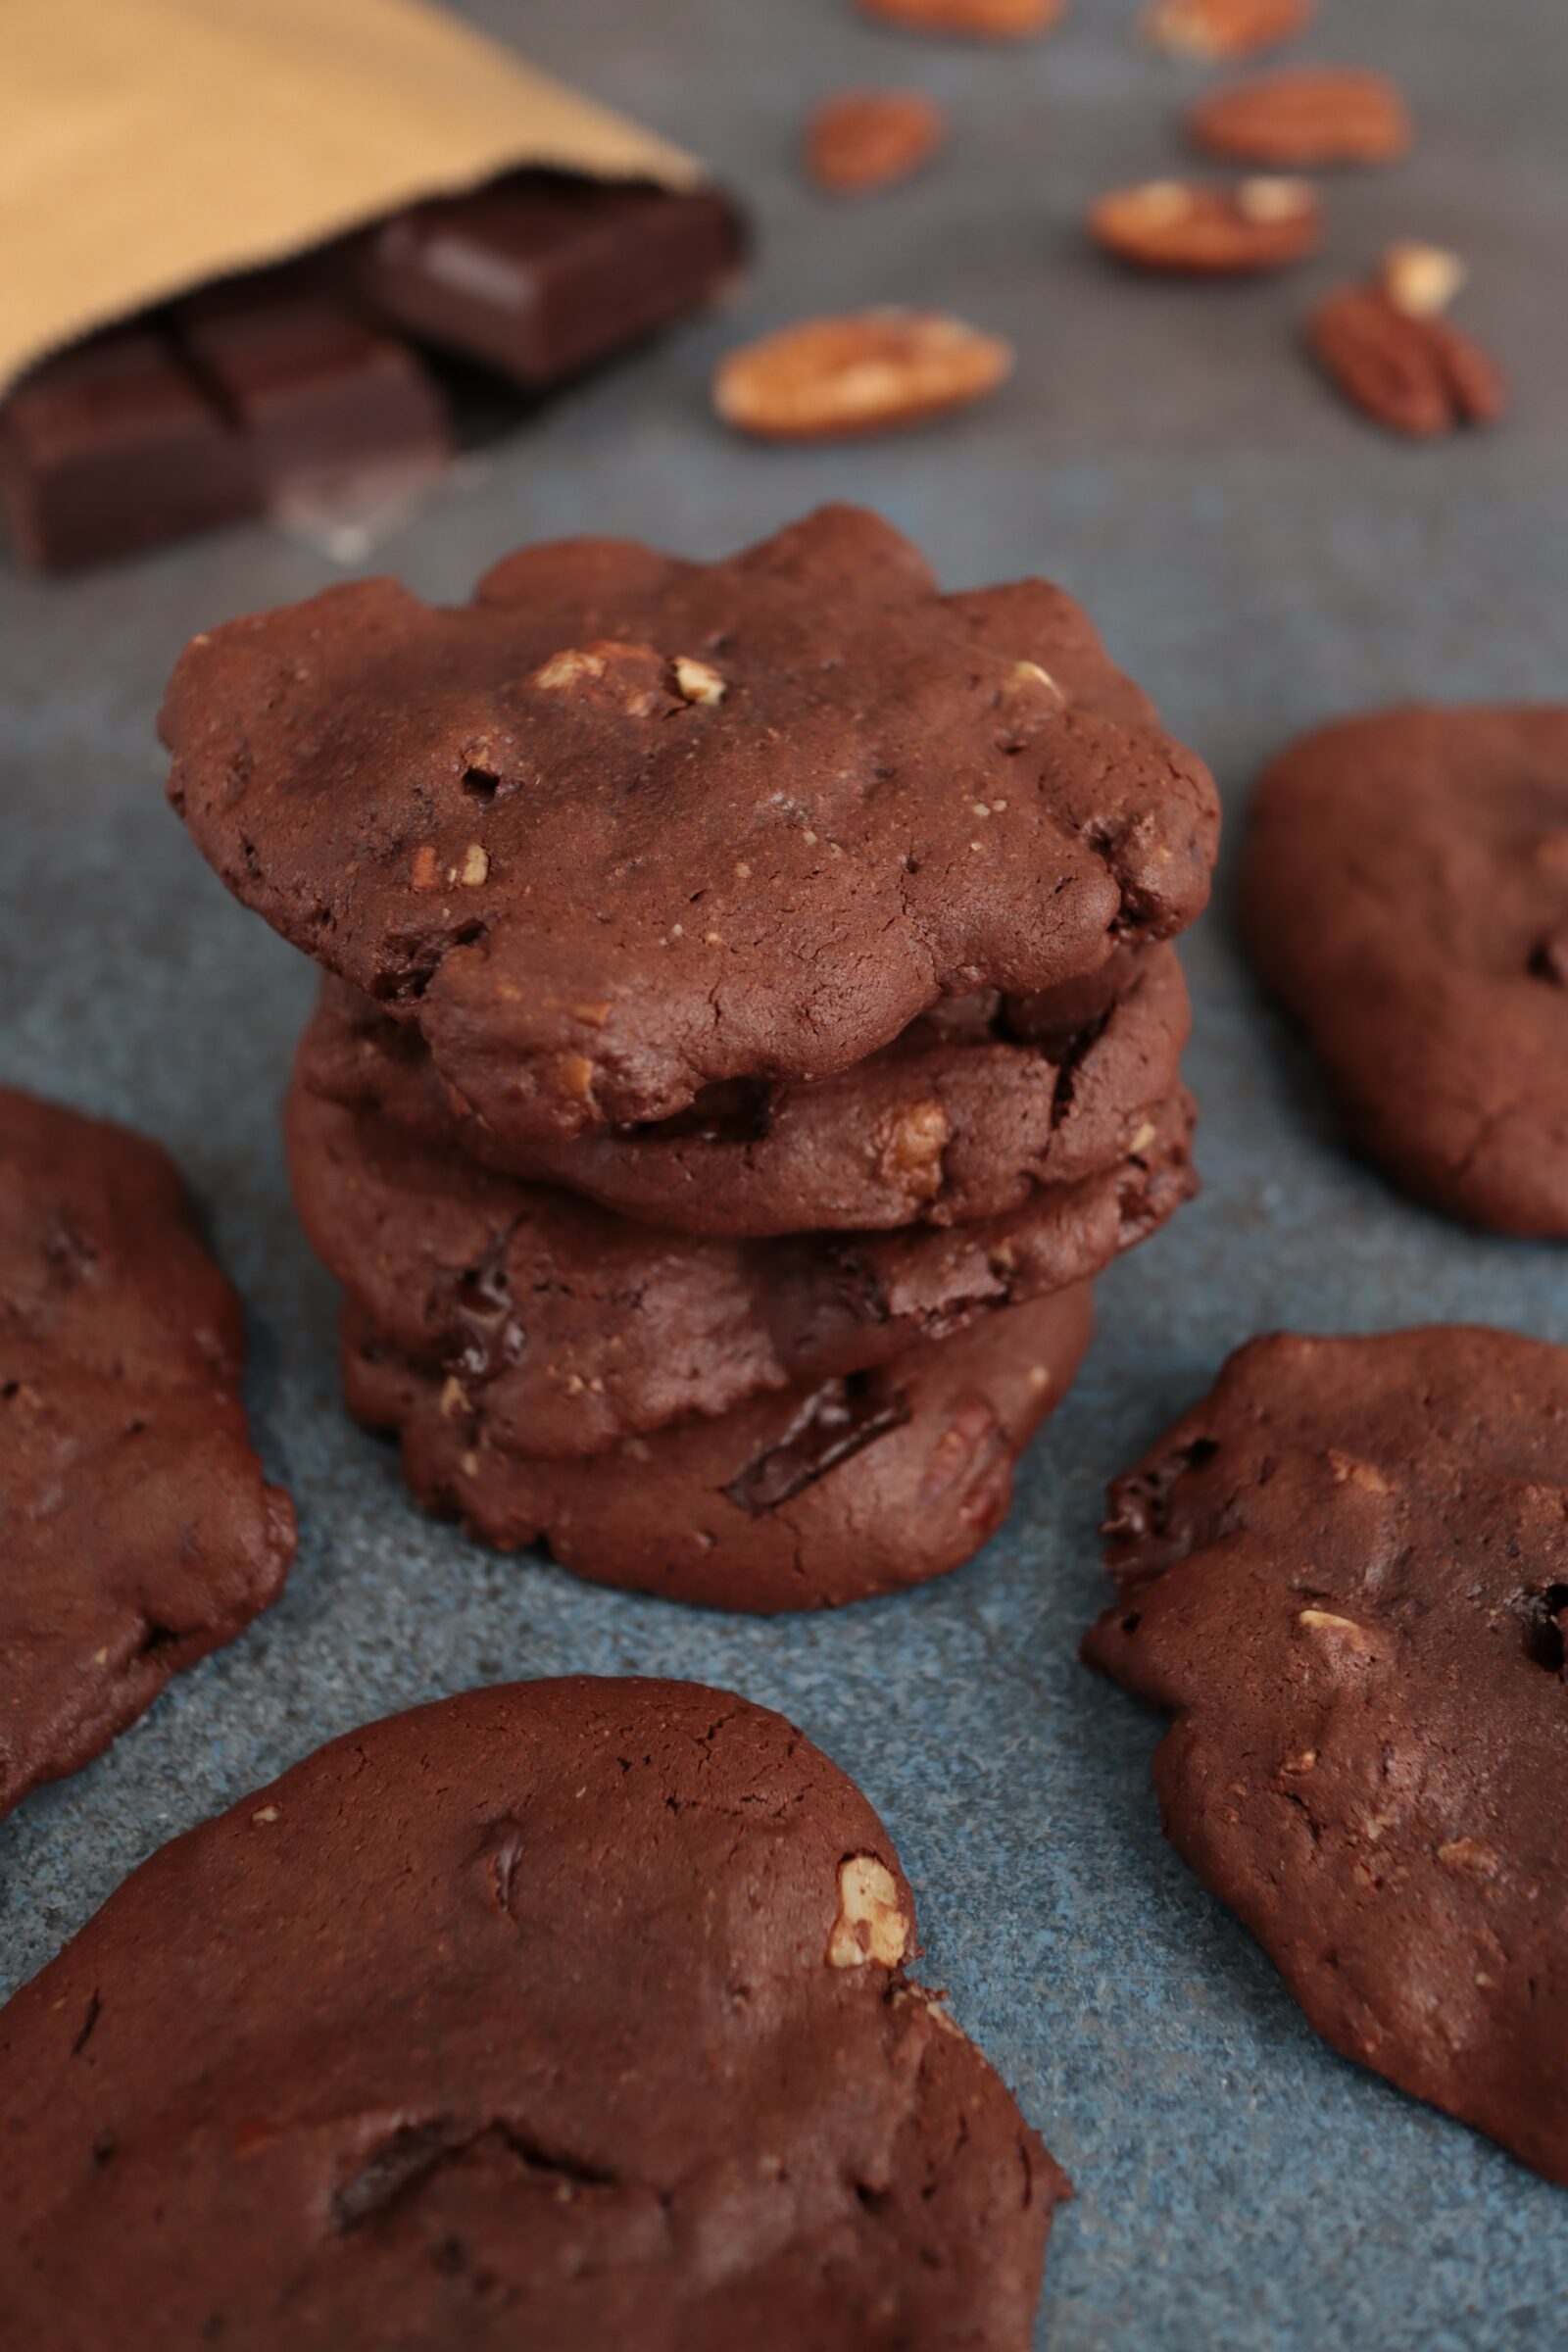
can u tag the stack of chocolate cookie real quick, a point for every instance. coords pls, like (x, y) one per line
(750, 1025)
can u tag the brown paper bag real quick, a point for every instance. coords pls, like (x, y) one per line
(149, 145)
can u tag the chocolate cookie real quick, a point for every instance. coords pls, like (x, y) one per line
(563, 2014)
(1345, 1575)
(829, 1492)
(627, 826)
(1405, 892)
(139, 1531)
(956, 1120)
(570, 1328)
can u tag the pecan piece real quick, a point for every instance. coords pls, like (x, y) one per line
(983, 20)
(1316, 115)
(1186, 225)
(866, 373)
(871, 1924)
(1413, 374)
(1213, 28)
(865, 140)
(611, 670)
(1421, 279)
(913, 1148)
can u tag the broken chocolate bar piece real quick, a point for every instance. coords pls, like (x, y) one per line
(275, 393)
(542, 272)
(113, 447)
(320, 397)
(234, 403)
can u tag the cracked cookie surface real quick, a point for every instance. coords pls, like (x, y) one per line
(564, 2013)
(139, 1531)
(1404, 893)
(829, 1492)
(1344, 1574)
(626, 827)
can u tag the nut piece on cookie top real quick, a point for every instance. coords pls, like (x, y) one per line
(626, 825)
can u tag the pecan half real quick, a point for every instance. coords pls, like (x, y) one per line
(865, 140)
(1185, 225)
(985, 20)
(1212, 28)
(1317, 115)
(867, 374)
(1414, 374)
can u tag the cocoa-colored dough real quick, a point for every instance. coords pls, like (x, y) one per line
(570, 1328)
(826, 1494)
(958, 1120)
(1404, 892)
(1346, 1576)
(139, 1531)
(565, 2014)
(627, 826)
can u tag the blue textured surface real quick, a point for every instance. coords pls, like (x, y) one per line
(1261, 561)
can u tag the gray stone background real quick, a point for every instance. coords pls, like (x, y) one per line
(1262, 560)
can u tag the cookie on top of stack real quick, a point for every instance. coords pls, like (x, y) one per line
(749, 1027)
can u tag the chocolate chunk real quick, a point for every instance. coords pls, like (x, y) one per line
(562, 2014)
(543, 273)
(831, 1426)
